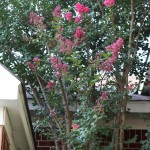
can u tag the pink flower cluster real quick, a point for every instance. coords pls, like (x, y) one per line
(57, 12)
(59, 67)
(34, 19)
(75, 126)
(109, 3)
(98, 107)
(68, 16)
(114, 48)
(79, 33)
(104, 95)
(78, 19)
(36, 60)
(106, 66)
(66, 45)
(31, 66)
(81, 8)
(50, 85)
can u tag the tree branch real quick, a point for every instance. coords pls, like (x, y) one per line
(101, 8)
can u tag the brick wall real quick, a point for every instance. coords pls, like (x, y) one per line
(129, 134)
(43, 143)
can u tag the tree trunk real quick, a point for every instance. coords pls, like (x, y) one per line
(67, 113)
(122, 124)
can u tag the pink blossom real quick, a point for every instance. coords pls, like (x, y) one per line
(59, 37)
(116, 46)
(115, 49)
(61, 68)
(76, 43)
(62, 29)
(86, 9)
(75, 126)
(57, 12)
(57, 74)
(104, 95)
(78, 19)
(68, 16)
(35, 19)
(64, 68)
(69, 45)
(66, 45)
(98, 107)
(79, 33)
(62, 48)
(50, 85)
(106, 66)
(36, 60)
(31, 66)
(81, 8)
(109, 3)
(56, 63)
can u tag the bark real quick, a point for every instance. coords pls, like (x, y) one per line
(54, 136)
(51, 125)
(125, 78)
(122, 124)
(100, 7)
(115, 136)
(67, 112)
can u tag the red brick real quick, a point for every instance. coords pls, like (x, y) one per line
(143, 134)
(104, 144)
(135, 145)
(127, 135)
(125, 145)
(104, 138)
(52, 148)
(109, 138)
(43, 148)
(132, 134)
(131, 149)
(138, 133)
(37, 136)
(37, 143)
(44, 137)
(46, 143)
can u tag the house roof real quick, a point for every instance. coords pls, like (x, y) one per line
(137, 97)
(13, 98)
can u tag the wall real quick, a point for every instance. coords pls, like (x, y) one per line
(129, 134)
(4, 144)
(43, 143)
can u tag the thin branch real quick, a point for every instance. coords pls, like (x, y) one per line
(66, 107)
(38, 101)
(67, 113)
(101, 8)
(131, 29)
(138, 35)
(42, 89)
(47, 105)
(48, 48)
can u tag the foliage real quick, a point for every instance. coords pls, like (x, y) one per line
(76, 64)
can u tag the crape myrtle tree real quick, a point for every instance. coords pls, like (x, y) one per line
(75, 58)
